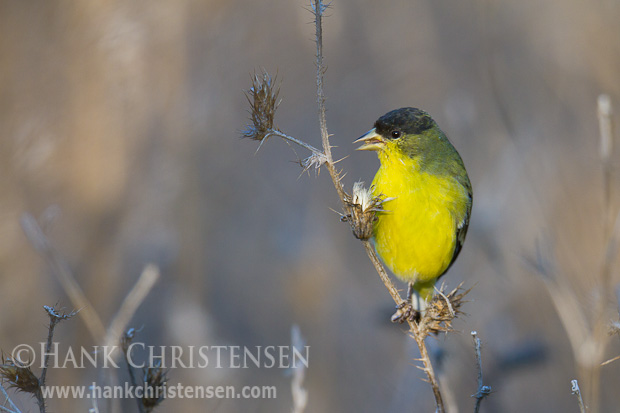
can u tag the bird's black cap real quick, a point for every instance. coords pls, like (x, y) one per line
(407, 120)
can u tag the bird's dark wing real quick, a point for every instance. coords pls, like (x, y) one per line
(462, 229)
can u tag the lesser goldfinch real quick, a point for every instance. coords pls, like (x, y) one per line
(422, 227)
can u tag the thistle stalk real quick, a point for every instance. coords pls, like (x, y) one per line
(360, 208)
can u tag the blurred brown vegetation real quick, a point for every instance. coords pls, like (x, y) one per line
(120, 125)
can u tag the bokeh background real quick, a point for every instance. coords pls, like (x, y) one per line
(120, 132)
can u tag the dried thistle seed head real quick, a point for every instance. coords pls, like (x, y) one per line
(442, 310)
(263, 99)
(363, 208)
(155, 379)
(19, 375)
(362, 196)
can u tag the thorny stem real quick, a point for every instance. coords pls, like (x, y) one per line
(125, 341)
(577, 392)
(55, 318)
(428, 366)
(372, 254)
(318, 9)
(132, 379)
(483, 391)
(48, 345)
(279, 134)
(40, 400)
(612, 234)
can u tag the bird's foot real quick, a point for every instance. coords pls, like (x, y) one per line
(405, 313)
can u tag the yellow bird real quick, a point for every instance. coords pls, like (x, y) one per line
(422, 228)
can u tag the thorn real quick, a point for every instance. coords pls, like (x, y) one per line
(447, 301)
(260, 145)
(341, 159)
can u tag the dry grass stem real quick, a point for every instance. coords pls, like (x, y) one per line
(610, 361)
(588, 333)
(13, 408)
(130, 304)
(60, 268)
(300, 394)
(606, 139)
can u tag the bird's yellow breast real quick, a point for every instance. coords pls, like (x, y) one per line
(416, 235)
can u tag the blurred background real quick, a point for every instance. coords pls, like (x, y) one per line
(120, 132)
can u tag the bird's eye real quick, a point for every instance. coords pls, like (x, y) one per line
(396, 134)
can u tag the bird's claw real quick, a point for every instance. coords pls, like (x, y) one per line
(405, 313)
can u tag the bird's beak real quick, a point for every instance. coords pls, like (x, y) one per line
(372, 141)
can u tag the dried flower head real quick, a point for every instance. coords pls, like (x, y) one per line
(442, 310)
(263, 99)
(19, 375)
(363, 207)
(155, 381)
